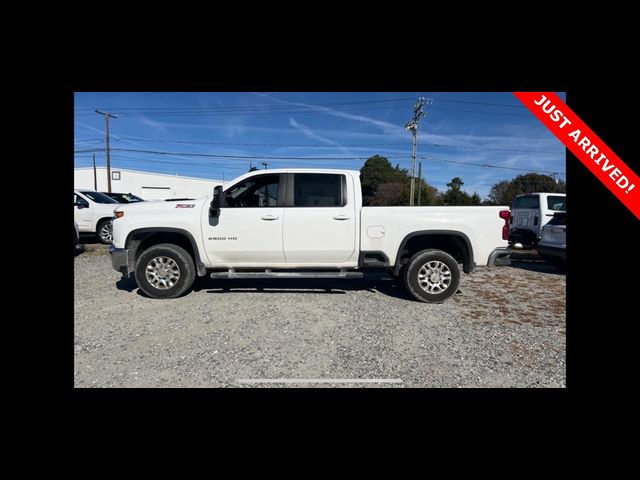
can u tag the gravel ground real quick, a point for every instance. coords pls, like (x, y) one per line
(504, 328)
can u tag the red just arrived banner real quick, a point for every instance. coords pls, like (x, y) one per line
(585, 145)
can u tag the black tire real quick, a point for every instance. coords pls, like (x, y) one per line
(444, 285)
(103, 226)
(182, 261)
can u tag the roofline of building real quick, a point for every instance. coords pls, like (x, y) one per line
(150, 173)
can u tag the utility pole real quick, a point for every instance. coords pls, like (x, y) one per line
(419, 181)
(95, 175)
(265, 164)
(107, 115)
(250, 164)
(412, 126)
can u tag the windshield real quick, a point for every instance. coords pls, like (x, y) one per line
(98, 197)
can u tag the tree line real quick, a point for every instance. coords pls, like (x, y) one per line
(386, 185)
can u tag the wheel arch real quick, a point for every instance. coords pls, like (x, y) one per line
(102, 219)
(454, 242)
(140, 239)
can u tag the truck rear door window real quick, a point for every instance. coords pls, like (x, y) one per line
(557, 203)
(319, 190)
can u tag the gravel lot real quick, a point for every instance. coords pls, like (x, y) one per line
(504, 328)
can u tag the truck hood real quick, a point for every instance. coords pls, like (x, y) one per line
(161, 207)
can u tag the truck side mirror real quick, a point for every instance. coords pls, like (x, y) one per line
(217, 202)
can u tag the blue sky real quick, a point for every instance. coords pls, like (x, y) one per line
(317, 129)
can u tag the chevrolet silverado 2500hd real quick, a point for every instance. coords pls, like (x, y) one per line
(303, 223)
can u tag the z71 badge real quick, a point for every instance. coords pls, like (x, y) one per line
(185, 205)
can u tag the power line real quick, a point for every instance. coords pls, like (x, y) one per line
(484, 113)
(301, 110)
(479, 103)
(264, 157)
(482, 147)
(265, 144)
(231, 108)
(279, 159)
(327, 146)
(252, 108)
(488, 165)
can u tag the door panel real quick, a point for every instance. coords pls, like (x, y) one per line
(244, 236)
(249, 228)
(83, 216)
(321, 226)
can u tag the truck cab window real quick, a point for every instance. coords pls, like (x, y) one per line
(257, 191)
(319, 190)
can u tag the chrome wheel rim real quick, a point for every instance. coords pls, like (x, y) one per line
(106, 232)
(162, 273)
(434, 277)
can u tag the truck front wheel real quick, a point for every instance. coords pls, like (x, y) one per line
(432, 276)
(105, 232)
(165, 271)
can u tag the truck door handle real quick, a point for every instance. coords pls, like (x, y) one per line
(269, 217)
(341, 217)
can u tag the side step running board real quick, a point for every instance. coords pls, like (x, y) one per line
(269, 274)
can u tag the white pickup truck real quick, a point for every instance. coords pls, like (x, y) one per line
(303, 223)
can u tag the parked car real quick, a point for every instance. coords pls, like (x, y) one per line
(529, 213)
(93, 212)
(553, 244)
(303, 223)
(124, 197)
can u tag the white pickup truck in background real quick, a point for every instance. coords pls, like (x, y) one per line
(303, 223)
(529, 213)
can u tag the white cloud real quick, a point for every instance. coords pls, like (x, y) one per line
(158, 126)
(309, 133)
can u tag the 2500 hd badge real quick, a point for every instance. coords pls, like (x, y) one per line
(223, 238)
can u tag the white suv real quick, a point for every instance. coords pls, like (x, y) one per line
(93, 212)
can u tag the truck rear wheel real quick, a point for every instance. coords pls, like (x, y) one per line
(432, 276)
(165, 271)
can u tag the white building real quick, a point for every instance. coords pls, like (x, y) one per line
(147, 185)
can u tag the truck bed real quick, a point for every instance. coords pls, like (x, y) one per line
(384, 228)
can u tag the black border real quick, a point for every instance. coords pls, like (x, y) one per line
(598, 345)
